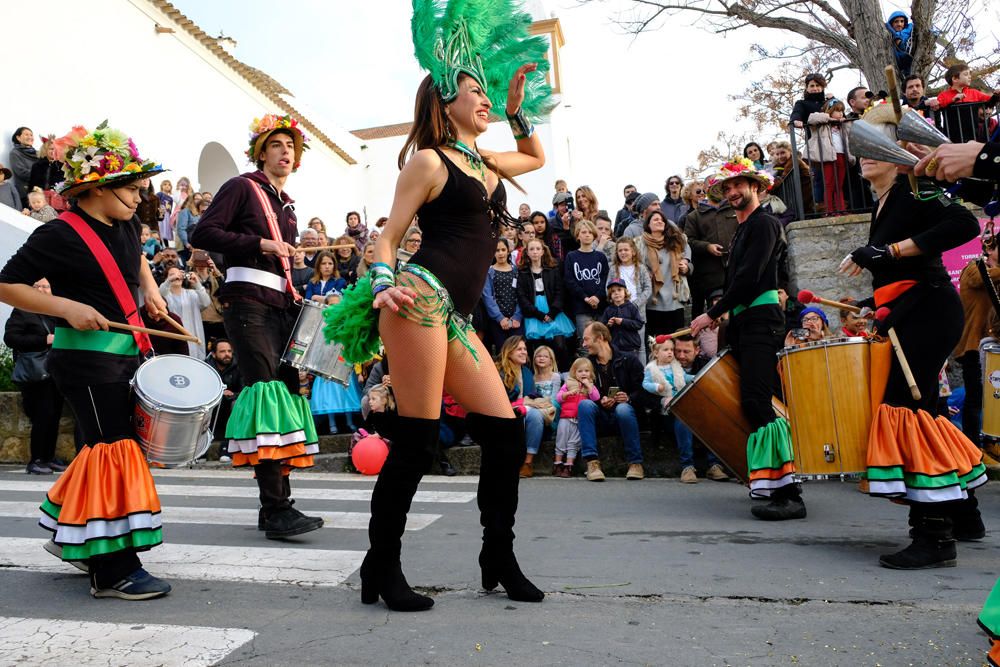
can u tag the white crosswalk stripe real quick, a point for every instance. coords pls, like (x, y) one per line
(41, 641)
(194, 505)
(250, 491)
(284, 565)
(225, 516)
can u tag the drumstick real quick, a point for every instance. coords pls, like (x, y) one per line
(676, 334)
(329, 247)
(805, 296)
(177, 326)
(153, 332)
(880, 315)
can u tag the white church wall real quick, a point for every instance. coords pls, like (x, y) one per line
(165, 90)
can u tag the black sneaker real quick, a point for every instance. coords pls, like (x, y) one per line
(58, 466)
(140, 585)
(447, 469)
(290, 522)
(38, 467)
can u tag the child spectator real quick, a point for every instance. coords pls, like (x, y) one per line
(585, 275)
(579, 385)
(332, 398)
(959, 80)
(547, 381)
(624, 319)
(150, 244)
(500, 298)
(900, 32)
(325, 278)
(628, 268)
(302, 273)
(827, 146)
(37, 208)
(347, 259)
(540, 297)
(851, 323)
(664, 377)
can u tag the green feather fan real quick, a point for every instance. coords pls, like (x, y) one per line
(354, 323)
(486, 39)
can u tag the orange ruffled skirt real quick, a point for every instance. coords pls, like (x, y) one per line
(105, 502)
(921, 458)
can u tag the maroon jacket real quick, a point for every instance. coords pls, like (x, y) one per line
(234, 225)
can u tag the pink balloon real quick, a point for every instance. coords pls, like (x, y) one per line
(369, 455)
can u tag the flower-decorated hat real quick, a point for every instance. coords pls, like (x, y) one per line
(737, 167)
(262, 128)
(98, 158)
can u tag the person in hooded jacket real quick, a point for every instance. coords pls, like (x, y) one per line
(901, 33)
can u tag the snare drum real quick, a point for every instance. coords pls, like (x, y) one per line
(828, 390)
(308, 349)
(175, 399)
(991, 393)
(710, 406)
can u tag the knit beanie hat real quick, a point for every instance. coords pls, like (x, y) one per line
(643, 202)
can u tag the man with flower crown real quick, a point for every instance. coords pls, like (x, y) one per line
(252, 223)
(755, 333)
(103, 510)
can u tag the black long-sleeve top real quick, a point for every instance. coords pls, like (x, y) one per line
(934, 226)
(753, 262)
(234, 225)
(554, 293)
(28, 332)
(55, 251)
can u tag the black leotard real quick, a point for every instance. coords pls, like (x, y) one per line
(459, 237)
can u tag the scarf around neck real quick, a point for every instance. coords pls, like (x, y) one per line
(656, 271)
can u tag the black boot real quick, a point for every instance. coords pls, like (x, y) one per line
(414, 444)
(281, 520)
(967, 522)
(502, 450)
(933, 543)
(786, 503)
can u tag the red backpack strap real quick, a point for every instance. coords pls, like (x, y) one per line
(272, 224)
(114, 276)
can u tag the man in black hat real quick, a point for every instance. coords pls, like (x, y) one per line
(648, 201)
(559, 236)
(625, 215)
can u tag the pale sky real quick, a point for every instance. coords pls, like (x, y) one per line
(640, 108)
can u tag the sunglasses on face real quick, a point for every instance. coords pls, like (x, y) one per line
(673, 183)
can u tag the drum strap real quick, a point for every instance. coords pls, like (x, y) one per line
(272, 224)
(114, 276)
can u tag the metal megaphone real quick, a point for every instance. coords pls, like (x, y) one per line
(914, 128)
(868, 141)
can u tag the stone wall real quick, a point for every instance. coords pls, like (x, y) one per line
(15, 431)
(815, 250)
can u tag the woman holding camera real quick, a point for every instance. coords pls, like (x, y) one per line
(186, 296)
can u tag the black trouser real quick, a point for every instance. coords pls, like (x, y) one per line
(926, 347)
(104, 415)
(259, 334)
(755, 336)
(972, 409)
(43, 405)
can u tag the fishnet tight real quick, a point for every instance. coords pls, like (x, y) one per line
(422, 362)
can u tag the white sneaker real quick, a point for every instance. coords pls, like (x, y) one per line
(56, 551)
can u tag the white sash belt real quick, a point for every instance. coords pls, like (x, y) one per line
(244, 274)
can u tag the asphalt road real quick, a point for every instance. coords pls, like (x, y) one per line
(651, 572)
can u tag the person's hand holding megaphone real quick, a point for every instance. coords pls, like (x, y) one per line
(950, 162)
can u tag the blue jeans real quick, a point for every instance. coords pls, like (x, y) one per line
(534, 424)
(685, 444)
(592, 418)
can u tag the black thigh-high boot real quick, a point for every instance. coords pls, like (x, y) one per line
(502, 450)
(933, 542)
(414, 445)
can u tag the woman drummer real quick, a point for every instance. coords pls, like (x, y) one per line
(424, 307)
(911, 454)
(104, 508)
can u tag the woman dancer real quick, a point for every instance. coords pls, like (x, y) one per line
(911, 454)
(456, 191)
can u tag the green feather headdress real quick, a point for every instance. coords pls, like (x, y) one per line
(486, 39)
